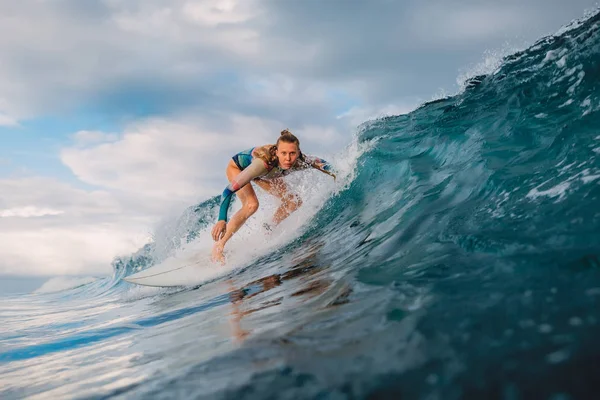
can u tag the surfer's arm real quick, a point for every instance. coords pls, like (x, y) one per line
(254, 170)
(320, 164)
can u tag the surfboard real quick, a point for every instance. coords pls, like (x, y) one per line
(176, 272)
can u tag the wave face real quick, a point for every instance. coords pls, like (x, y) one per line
(459, 259)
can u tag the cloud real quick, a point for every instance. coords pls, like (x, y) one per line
(52, 194)
(218, 12)
(66, 230)
(461, 26)
(29, 212)
(155, 57)
(71, 250)
(6, 120)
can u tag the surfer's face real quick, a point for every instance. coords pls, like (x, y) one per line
(287, 153)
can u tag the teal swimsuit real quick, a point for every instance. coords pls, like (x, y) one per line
(243, 159)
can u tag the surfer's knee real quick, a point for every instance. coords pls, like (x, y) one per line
(251, 207)
(292, 202)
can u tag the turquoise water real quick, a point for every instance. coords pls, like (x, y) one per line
(461, 260)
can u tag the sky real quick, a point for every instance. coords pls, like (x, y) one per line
(115, 114)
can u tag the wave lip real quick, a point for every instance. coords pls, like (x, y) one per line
(62, 283)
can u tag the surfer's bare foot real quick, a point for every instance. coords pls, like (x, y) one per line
(217, 253)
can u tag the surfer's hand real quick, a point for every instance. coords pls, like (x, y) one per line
(218, 230)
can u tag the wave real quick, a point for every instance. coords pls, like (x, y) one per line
(59, 284)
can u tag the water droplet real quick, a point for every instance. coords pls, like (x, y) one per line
(558, 356)
(432, 379)
(526, 323)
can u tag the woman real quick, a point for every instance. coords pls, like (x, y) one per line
(266, 165)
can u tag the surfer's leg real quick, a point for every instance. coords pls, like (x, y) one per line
(249, 206)
(289, 202)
